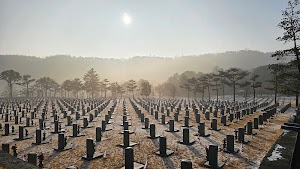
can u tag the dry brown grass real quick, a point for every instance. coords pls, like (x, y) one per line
(250, 157)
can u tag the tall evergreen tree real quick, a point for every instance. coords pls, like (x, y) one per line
(11, 77)
(92, 82)
(233, 77)
(255, 84)
(26, 80)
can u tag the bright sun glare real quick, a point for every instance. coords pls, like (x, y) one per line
(126, 19)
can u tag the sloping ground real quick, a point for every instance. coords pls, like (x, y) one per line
(8, 161)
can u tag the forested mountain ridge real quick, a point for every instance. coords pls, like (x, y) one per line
(154, 69)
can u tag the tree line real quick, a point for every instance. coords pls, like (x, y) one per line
(285, 76)
(91, 86)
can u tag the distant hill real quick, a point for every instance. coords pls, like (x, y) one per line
(154, 69)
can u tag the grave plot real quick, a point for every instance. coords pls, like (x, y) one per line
(151, 133)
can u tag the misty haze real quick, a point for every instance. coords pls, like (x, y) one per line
(149, 84)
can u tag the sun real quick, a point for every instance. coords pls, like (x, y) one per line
(126, 19)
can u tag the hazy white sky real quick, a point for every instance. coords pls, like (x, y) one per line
(158, 27)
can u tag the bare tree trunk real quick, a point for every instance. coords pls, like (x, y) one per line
(27, 90)
(208, 92)
(234, 93)
(223, 91)
(10, 91)
(297, 100)
(254, 93)
(275, 95)
(217, 95)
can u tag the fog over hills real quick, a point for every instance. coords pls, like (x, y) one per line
(154, 69)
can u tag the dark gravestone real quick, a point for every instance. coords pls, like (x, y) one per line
(27, 122)
(62, 144)
(230, 145)
(126, 127)
(231, 117)
(32, 158)
(214, 125)
(56, 127)
(186, 137)
(146, 123)
(186, 122)
(163, 151)
(223, 120)
(215, 113)
(6, 117)
(65, 114)
(176, 116)
(32, 115)
(142, 118)
(43, 116)
(85, 122)
(107, 119)
(41, 124)
(163, 119)
(16, 119)
(83, 112)
(187, 113)
(98, 134)
(243, 113)
(38, 137)
(207, 115)
(103, 126)
(171, 127)
(55, 117)
(77, 116)
(186, 164)
(241, 136)
(21, 134)
(260, 120)
(255, 123)
(198, 118)
(249, 128)
(129, 160)
(222, 112)
(69, 122)
(96, 113)
(126, 140)
(91, 117)
(152, 132)
(156, 115)
(196, 111)
(213, 161)
(124, 118)
(265, 117)
(238, 115)
(5, 147)
(201, 130)
(90, 150)
(6, 129)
